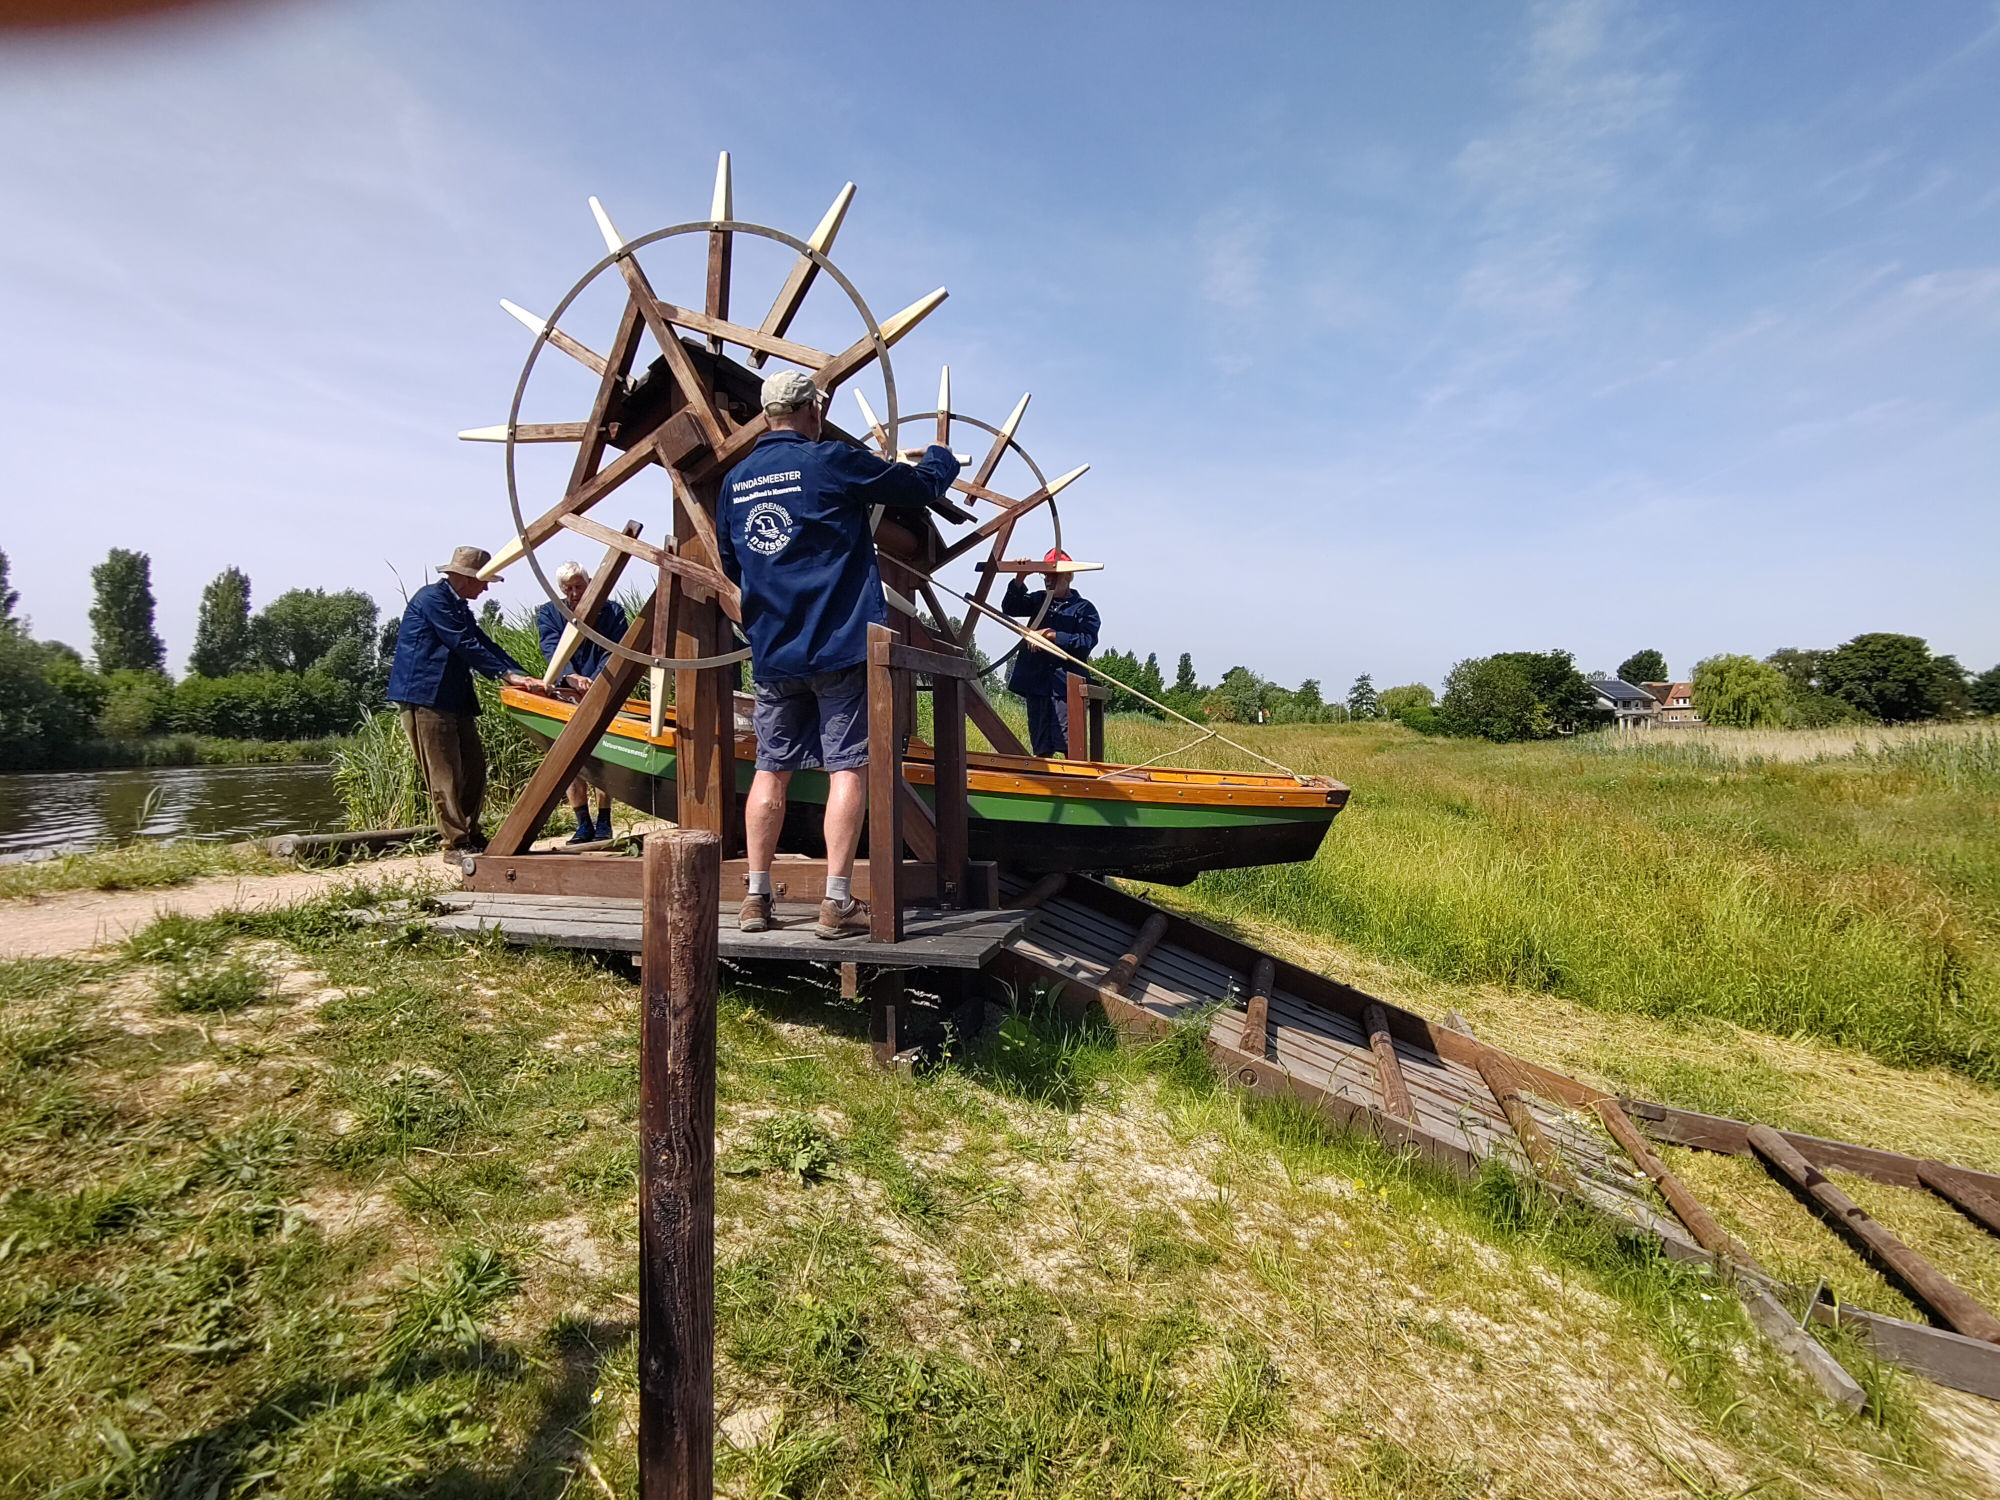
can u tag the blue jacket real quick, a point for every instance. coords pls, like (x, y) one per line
(792, 524)
(590, 657)
(1072, 620)
(438, 648)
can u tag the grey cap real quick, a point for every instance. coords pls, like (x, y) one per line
(787, 391)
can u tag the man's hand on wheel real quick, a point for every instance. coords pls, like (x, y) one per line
(525, 683)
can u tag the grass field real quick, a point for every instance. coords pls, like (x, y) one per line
(1845, 887)
(307, 1208)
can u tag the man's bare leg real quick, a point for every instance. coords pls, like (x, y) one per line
(764, 818)
(846, 807)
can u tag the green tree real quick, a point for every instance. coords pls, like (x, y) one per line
(1519, 695)
(9, 598)
(1392, 702)
(489, 615)
(1184, 679)
(1361, 702)
(306, 628)
(47, 702)
(1893, 677)
(1125, 667)
(121, 620)
(1238, 698)
(1801, 668)
(1983, 692)
(1643, 666)
(223, 642)
(1741, 692)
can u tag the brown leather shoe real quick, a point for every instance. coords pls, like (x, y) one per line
(839, 920)
(755, 914)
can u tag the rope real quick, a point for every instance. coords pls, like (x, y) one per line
(1208, 731)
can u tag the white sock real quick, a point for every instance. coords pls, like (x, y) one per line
(760, 882)
(838, 888)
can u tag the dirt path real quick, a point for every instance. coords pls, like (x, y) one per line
(77, 921)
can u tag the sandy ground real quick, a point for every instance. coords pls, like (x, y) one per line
(77, 921)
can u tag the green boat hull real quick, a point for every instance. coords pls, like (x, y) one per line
(1031, 833)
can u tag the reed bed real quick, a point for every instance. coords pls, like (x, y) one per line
(1771, 880)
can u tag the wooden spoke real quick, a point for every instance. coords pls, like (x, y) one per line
(1026, 565)
(613, 240)
(1000, 441)
(700, 580)
(594, 489)
(663, 645)
(857, 356)
(698, 518)
(1006, 519)
(804, 269)
(594, 594)
(699, 399)
(719, 211)
(722, 331)
(588, 358)
(875, 428)
(944, 408)
(528, 432)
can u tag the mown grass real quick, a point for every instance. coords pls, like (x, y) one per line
(1853, 897)
(143, 864)
(375, 1234)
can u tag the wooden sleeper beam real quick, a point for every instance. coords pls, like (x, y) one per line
(1500, 1077)
(1257, 1011)
(1118, 978)
(1389, 1071)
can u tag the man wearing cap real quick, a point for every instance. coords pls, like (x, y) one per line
(438, 648)
(585, 663)
(792, 523)
(1039, 677)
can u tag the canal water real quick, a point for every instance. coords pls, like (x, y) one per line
(73, 810)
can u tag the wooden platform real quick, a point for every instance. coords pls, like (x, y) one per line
(932, 939)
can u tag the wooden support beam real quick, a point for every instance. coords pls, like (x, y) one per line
(579, 737)
(1042, 890)
(948, 791)
(1001, 440)
(1711, 1236)
(935, 663)
(978, 707)
(677, 976)
(885, 801)
(1939, 1295)
(885, 1000)
(704, 717)
(589, 359)
(595, 593)
(703, 582)
(1963, 1193)
(794, 877)
(722, 331)
(700, 401)
(1257, 1010)
(1498, 1071)
(1388, 1070)
(1118, 978)
(1007, 518)
(528, 432)
(665, 623)
(919, 823)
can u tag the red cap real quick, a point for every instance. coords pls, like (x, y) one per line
(1056, 554)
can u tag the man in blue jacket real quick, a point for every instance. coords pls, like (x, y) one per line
(584, 665)
(1039, 678)
(438, 648)
(792, 523)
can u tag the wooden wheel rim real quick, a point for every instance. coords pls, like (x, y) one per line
(625, 251)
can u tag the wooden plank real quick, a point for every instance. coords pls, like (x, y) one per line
(1257, 1010)
(1963, 1193)
(1040, 891)
(803, 273)
(721, 330)
(1689, 1209)
(885, 800)
(703, 582)
(1938, 1294)
(677, 977)
(607, 876)
(1938, 1354)
(919, 823)
(935, 663)
(1395, 1092)
(694, 391)
(885, 1000)
(948, 793)
(1078, 726)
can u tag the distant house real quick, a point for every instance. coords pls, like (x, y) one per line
(1676, 700)
(1631, 707)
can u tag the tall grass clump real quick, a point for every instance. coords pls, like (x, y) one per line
(1850, 894)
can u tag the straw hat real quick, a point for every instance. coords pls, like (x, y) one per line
(467, 561)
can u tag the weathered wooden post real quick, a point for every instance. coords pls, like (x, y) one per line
(683, 895)
(885, 802)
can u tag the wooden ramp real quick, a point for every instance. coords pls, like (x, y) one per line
(1277, 1029)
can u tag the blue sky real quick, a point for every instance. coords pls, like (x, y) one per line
(1393, 334)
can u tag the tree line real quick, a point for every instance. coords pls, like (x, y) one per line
(309, 664)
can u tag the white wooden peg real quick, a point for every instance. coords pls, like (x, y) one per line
(656, 690)
(572, 637)
(821, 238)
(613, 240)
(723, 206)
(525, 318)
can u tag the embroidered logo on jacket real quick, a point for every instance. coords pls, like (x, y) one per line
(768, 528)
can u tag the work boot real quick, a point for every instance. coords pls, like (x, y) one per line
(839, 919)
(755, 913)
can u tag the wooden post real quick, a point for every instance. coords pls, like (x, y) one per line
(1120, 975)
(1389, 1071)
(885, 803)
(1257, 1011)
(948, 799)
(1095, 747)
(1942, 1296)
(1966, 1197)
(885, 998)
(1690, 1210)
(704, 710)
(683, 886)
(1079, 718)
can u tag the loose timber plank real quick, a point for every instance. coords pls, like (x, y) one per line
(1958, 1189)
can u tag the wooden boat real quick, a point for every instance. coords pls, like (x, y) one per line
(1034, 816)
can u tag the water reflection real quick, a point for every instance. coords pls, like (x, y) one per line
(58, 809)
